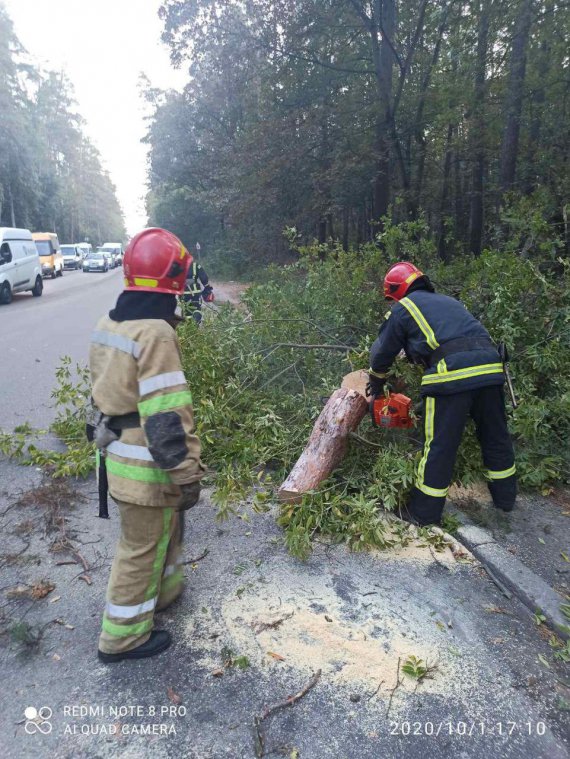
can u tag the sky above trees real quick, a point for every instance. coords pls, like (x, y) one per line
(102, 48)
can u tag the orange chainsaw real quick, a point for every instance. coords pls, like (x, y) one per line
(392, 411)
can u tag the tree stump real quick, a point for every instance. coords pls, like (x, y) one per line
(326, 448)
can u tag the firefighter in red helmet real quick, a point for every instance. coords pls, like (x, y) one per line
(145, 433)
(463, 377)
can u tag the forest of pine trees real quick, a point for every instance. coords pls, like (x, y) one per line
(328, 115)
(51, 177)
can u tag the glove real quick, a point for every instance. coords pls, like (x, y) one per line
(208, 294)
(375, 386)
(190, 496)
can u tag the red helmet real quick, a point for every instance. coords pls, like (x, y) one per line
(156, 261)
(398, 279)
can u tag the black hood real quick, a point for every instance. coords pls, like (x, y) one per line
(422, 283)
(133, 305)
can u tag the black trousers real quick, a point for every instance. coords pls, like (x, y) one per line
(445, 417)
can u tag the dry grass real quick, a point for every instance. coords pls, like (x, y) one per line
(54, 492)
(38, 590)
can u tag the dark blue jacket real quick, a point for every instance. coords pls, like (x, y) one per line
(422, 324)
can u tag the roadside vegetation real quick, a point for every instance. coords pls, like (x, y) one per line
(260, 374)
(370, 133)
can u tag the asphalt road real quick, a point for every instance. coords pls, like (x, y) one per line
(36, 332)
(355, 617)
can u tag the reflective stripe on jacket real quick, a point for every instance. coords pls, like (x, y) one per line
(136, 366)
(419, 324)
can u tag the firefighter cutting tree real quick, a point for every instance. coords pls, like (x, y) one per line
(464, 377)
(145, 432)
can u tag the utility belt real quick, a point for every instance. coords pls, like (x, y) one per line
(103, 430)
(459, 345)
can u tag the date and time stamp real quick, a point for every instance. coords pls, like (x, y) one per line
(164, 720)
(469, 729)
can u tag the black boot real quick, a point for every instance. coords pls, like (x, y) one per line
(504, 493)
(406, 515)
(423, 509)
(158, 642)
(504, 506)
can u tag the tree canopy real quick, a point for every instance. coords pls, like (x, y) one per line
(330, 115)
(51, 177)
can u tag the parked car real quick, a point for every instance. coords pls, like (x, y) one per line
(116, 248)
(72, 256)
(20, 267)
(50, 254)
(95, 261)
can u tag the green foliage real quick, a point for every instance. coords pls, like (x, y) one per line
(260, 375)
(561, 649)
(354, 518)
(25, 635)
(287, 120)
(418, 669)
(257, 391)
(72, 396)
(232, 660)
(450, 523)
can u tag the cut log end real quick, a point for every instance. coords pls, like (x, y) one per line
(327, 445)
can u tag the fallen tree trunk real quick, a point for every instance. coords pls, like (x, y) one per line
(326, 448)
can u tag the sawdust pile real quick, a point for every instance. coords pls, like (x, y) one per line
(348, 653)
(300, 623)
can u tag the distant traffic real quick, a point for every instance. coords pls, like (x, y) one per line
(27, 258)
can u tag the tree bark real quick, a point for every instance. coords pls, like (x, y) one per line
(478, 134)
(538, 102)
(327, 445)
(419, 120)
(461, 216)
(515, 87)
(383, 21)
(11, 202)
(443, 207)
(345, 227)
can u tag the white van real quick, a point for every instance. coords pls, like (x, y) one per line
(20, 267)
(72, 256)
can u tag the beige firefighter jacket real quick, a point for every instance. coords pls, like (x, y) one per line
(136, 366)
